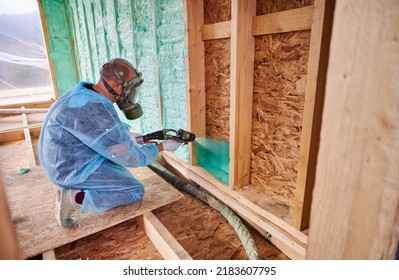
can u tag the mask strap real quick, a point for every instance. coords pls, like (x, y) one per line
(110, 89)
(119, 77)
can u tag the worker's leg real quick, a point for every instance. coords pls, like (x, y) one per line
(108, 187)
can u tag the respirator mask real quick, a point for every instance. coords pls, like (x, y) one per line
(126, 101)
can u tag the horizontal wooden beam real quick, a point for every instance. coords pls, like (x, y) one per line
(281, 22)
(286, 238)
(16, 135)
(23, 127)
(166, 244)
(23, 111)
(218, 30)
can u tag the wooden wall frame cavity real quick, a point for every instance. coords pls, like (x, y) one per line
(318, 19)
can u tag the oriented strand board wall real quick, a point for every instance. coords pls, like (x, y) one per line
(217, 73)
(279, 91)
(217, 87)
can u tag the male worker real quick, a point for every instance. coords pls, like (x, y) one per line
(85, 149)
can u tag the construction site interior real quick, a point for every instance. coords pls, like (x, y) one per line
(295, 109)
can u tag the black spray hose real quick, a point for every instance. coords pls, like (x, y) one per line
(241, 230)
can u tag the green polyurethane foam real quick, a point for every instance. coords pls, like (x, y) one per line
(214, 156)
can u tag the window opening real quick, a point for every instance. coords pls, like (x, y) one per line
(24, 69)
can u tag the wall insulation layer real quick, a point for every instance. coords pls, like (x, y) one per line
(84, 34)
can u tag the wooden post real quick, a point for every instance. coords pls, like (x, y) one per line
(355, 208)
(314, 98)
(241, 91)
(8, 238)
(166, 244)
(196, 71)
(28, 140)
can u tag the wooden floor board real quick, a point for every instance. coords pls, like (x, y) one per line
(31, 197)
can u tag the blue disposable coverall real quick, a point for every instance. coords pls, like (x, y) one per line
(84, 145)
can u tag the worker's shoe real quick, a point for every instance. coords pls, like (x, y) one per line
(65, 207)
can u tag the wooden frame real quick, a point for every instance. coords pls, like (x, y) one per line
(355, 209)
(314, 97)
(166, 244)
(241, 91)
(250, 25)
(286, 238)
(196, 71)
(8, 241)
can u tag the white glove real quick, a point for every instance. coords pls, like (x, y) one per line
(170, 145)
(133, 136)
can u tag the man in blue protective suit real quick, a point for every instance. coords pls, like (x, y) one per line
(85, 149)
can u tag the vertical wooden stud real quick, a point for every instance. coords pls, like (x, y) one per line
(196, 70)
(8, 238)
(355, 208)
(241, 91)
(314, 98)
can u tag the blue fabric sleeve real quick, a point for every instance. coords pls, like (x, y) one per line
(99, 127)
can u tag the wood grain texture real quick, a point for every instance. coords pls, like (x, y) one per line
(355, 205)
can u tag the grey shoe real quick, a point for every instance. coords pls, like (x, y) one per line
(65, 207)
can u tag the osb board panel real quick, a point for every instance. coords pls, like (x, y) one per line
(202, 231)
(279, 92)
(125, 241)
(13, 156)
(260, 196)
(31, 197)
(217, 88)
(206, 235)
(217, 11)
(272, 6)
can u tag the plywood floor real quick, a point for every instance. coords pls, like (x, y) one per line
(200, 229)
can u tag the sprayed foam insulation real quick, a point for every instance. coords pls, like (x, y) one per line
(149, 34)
(279, 92)
(59, 44)
(144, 30)
(172, 69)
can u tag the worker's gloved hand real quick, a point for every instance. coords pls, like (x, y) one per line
(134, 136)
(171, 145)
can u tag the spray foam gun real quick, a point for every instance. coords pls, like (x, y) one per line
(179, 135)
